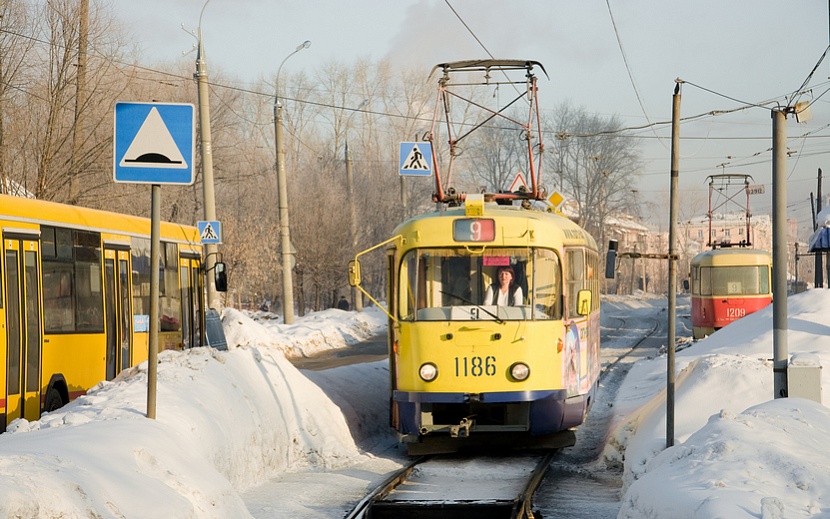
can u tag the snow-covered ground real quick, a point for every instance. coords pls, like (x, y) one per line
(233, 425)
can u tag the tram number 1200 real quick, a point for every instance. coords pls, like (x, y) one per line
(475, 366)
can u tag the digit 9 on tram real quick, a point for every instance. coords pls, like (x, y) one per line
(728, 284)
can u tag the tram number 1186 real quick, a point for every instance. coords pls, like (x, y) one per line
(475, 366)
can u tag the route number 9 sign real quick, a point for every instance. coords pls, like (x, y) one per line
(474, 229)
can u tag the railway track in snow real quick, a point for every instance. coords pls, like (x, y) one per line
(494, 487)
(487, 487)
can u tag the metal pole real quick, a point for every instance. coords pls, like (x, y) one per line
(779, 251)
(213, 300)
(152, 354)
(819, 256)
(670, 340)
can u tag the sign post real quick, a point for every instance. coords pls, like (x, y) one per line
(154, 144)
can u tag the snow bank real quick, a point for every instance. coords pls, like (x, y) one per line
(226, 421)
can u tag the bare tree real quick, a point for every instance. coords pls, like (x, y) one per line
(596, 164)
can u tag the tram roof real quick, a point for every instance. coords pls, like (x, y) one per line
(732, 257)
(547, 224)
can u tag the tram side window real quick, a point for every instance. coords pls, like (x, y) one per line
(575, 277)
(72, 288)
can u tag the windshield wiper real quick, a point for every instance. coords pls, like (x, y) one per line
(465, 300)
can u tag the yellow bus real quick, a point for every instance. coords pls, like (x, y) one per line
(75, 300)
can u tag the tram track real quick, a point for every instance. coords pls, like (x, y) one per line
(432, 486)
(420, 489)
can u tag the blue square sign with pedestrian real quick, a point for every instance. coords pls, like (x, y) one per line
(154, 143)
(416, 159)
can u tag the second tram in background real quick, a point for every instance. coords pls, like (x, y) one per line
(729, 281)
(728, 284)
(494, 315)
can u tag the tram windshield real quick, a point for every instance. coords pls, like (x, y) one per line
(459, 284)
(729, 281)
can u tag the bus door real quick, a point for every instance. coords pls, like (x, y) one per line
(192, 302)
(23, 335)
(118, 297)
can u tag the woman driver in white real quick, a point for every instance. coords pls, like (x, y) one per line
(503, 291)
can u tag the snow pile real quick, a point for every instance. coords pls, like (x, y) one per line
(316, 332)
(737, 452)
(226, 421)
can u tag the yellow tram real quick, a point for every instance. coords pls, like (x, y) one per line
(494, 301)
(75, 300)
(469, 370)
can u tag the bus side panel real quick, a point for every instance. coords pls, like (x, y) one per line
(3, 341)
(80, 358)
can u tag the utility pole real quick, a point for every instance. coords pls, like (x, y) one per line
(779, 251)
(80, 101)
(207, 164)
(357, 296)
(282, 187)
(675, 165)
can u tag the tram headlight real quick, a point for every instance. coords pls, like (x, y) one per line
(428, 371)
(519, 371)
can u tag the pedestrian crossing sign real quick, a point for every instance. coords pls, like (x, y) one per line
(416, 159)
(210, 232)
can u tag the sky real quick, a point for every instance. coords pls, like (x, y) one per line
(240, 429)
(611, 58)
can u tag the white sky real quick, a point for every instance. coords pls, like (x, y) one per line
(235, 429)
(750, 50)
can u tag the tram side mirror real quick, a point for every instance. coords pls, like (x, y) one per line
(611, 259)
(220, 277)
(583, 302)
(686, 285)
(354, 273)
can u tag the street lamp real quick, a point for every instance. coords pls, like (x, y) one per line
(357, 300)
(285, 238)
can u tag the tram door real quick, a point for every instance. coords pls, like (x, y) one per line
(117, 281)
(23, 336)
(192, 301)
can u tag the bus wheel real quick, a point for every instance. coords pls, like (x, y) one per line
(53, 401)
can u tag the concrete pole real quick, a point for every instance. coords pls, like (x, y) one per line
(673, 201)
(285, 237)
(282, 188)
(357, 296)
(779, 252)
(213, 300)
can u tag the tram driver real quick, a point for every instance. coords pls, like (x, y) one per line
(504, 291)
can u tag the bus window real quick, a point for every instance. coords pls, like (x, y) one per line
(72, 271)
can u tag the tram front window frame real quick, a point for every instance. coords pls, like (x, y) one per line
(449, 284)
(732, 281)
